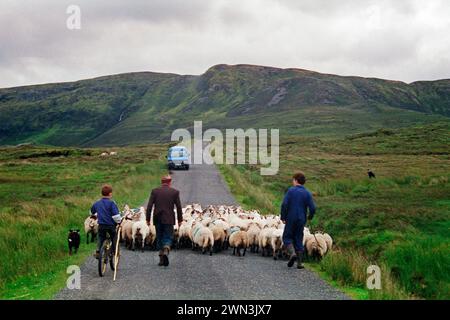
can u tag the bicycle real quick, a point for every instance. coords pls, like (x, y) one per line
(106, 256)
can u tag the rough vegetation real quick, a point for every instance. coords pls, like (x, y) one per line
(399, 221)
(141, 107)
(43, 197)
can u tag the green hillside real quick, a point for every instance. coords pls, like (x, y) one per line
(145, 107)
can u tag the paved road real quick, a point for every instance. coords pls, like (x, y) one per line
(192, 275)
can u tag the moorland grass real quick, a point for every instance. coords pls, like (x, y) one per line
(46, 191)
(398, 221)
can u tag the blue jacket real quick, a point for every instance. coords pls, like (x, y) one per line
(296, 203)
(107, 212)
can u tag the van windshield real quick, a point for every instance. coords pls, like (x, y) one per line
(177, 153)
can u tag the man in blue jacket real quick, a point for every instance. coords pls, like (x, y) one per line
(108, 216)
(296, 204)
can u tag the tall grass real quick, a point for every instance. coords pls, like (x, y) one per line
(398, 221)
(33, 234)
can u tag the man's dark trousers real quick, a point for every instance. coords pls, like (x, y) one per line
(293, 233)
(164, 235)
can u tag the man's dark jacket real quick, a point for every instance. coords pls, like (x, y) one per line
(164, 199)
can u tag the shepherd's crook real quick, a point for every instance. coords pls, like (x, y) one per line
(116, 253)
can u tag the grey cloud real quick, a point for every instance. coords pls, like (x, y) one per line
(403, 39)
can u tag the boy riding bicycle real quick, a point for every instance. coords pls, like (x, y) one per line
(108, 216)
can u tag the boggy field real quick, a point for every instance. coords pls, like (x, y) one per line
(399, 221)
(45, 191)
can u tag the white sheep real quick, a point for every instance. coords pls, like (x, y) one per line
(276, 242)
(253, 237)
(219, 237)
(184, 234)
(306, 237)
(151, 237)
(139, 232)
(202, 237)
(238, 240)
(265, 239)
(329, 241)
(316, 246)
(91, 227)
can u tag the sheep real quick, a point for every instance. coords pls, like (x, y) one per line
(219, 237)
(130, 217)
(91, 227)
(306, 237)
(225, 227)
(104, 154)
(264, 240)
(214, 228)
(253, 237)
(202, 237)
(183, 234)
(316, 246)
(238, 240)
(276, 242)
(126, 234)
(271, 222)
(113, 153)
(206, 221)
(139, 231)
(328, 240)
(151, 236)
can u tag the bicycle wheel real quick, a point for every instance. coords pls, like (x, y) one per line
(111, 260)
(103, 258)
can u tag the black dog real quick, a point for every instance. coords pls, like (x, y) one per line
(73, 240)
(370, 174)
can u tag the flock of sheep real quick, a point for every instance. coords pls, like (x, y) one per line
(216, 228)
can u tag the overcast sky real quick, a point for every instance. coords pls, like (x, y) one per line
(394, 39)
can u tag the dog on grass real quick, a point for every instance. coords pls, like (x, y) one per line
(73, 239)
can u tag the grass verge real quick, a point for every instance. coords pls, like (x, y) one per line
(47, 191)
(398, 221)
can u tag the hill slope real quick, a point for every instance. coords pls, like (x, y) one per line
(143, 107)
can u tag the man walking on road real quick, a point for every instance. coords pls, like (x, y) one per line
(164, 199)
(297, 201)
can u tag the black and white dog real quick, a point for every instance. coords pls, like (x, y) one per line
(73, 239)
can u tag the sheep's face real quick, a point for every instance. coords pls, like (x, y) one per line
(315, 249)
(92, 223)
(136, 216)
(316, 253)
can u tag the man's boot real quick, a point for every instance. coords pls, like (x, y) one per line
(161, 260)
(299, 260)
(97, 254)
(292, 255)
(165, 256)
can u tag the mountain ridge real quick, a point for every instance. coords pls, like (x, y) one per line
(140, 107)
(220, 64)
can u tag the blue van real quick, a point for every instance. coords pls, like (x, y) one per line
(178, 158)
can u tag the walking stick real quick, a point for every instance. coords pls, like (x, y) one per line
(116, 253)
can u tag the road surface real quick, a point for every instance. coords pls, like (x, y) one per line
(192, 275)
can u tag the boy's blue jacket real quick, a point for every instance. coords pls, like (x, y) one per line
(106, 209)
(296, 203)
